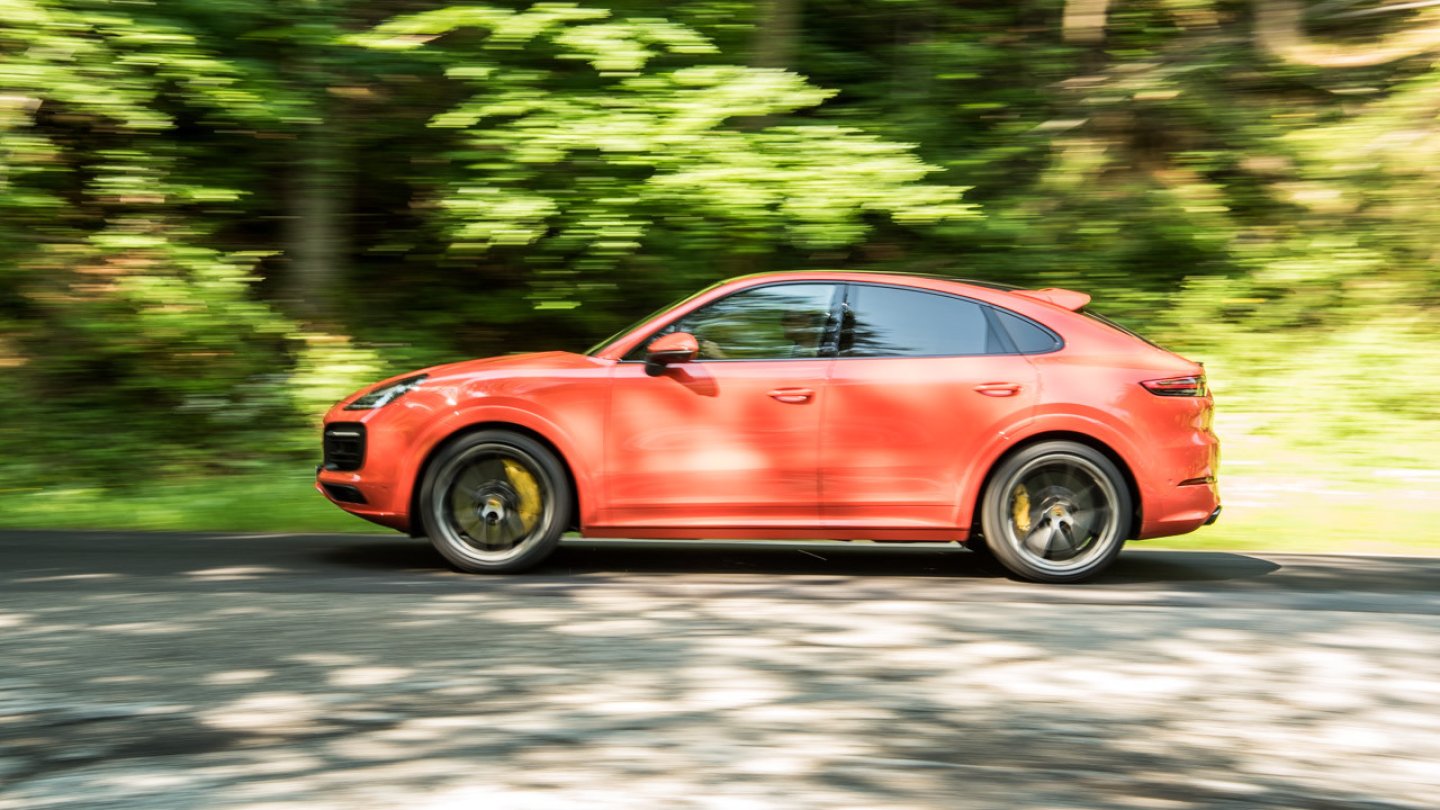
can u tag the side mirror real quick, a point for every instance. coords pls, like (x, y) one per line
(676, 347)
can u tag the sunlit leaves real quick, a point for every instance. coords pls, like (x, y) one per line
(493, 216)
(627, 46)
(586, 174)
(506, 29)
(513, 176)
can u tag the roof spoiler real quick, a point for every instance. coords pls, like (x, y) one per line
(1069, 299)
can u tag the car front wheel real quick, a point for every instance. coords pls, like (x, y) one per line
(1056, 512)
(495, 502)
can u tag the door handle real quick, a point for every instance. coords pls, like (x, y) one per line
(793, 396)
(998, 389)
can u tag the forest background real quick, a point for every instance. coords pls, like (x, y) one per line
(217, 217)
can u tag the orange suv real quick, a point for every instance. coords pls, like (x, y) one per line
(809, 405)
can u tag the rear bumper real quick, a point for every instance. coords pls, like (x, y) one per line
(1179, 493)
(1180, 510)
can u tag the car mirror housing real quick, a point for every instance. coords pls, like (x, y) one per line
(676, 347)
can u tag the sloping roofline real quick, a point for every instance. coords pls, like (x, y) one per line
(992, 285)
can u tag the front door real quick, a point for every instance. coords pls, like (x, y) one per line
(730, 439)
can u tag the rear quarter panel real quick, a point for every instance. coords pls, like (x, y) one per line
(1093, 387)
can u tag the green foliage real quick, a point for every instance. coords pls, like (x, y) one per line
(217, 217)
(584, 174)
(127, 329)
(576, 147)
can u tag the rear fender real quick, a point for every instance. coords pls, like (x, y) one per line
(1094, 426)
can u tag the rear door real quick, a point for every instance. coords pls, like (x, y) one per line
(922, 383)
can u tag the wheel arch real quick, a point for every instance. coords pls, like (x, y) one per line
(417, 526)
(1131, 483)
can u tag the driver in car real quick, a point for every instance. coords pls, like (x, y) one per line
(803, 330)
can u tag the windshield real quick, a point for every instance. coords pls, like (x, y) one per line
(605, 344)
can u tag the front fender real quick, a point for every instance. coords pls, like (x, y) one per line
(499, 413)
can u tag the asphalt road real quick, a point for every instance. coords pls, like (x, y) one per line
(155, 671)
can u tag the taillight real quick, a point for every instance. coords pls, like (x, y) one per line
(1177, 386)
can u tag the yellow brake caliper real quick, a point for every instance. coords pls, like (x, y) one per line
(528, 490)
(1020, 512)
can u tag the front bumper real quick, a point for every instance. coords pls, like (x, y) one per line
(363, 500)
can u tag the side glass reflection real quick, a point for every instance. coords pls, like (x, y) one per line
(889, 322)
(768, 323)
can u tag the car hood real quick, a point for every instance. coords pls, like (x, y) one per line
(450, 374)
(507, 364)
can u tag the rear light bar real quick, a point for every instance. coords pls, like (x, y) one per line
(1177, 386)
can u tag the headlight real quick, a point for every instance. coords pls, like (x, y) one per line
(381, 397)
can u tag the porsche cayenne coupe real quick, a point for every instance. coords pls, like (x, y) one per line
(809, 405)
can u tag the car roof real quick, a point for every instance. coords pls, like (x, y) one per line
(871, 275)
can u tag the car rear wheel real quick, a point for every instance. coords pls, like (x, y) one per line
(1056, 512)
(495, 502)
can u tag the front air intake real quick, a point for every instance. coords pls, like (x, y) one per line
(344, 446)
(344, 493)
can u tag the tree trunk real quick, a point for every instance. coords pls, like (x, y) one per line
(318, 197)
(776, 34)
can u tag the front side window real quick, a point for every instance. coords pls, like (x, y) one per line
(895, 322)
(765, 323)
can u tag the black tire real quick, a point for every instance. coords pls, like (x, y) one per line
(1056, 512)
(495, 502)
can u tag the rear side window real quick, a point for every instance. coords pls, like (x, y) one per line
(895, 322)
(1028, 336)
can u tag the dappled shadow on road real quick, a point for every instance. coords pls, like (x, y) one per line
(591, 558)
(376, 563)
(622, 697)
(1136, 566)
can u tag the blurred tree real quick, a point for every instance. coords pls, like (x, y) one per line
(299, 163)
(122, 320)
(535, 156)
(595, 146)
(216, 216)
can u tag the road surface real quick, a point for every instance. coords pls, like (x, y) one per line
(153, 671)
